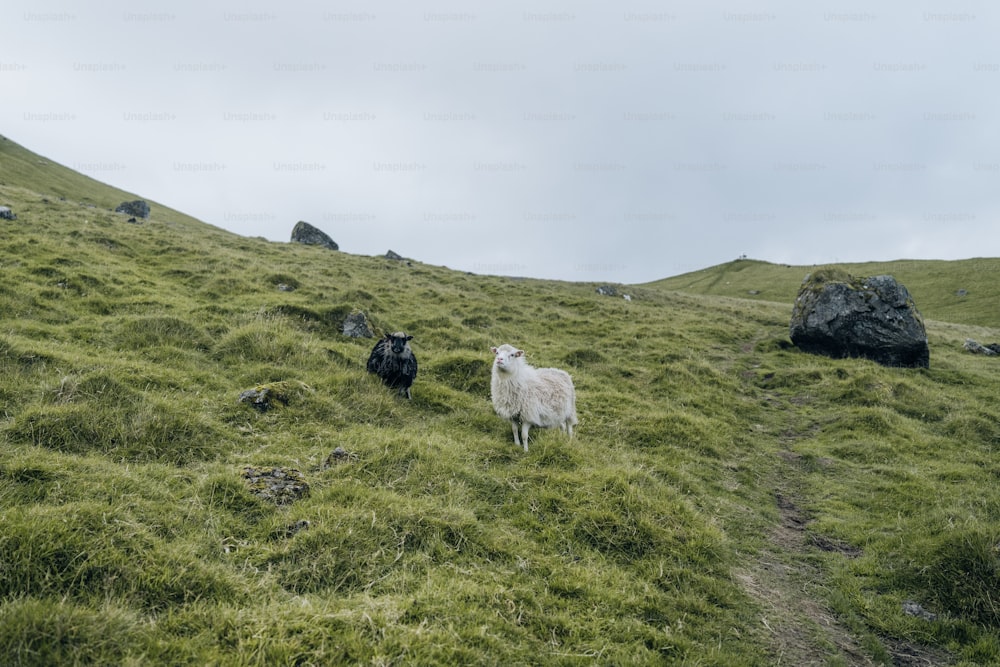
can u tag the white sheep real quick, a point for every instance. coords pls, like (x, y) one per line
(529, 396)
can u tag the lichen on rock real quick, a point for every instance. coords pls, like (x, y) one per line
(278, 485)
(838, 315)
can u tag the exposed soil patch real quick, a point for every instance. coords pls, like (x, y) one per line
(905, 654)
(828, 544)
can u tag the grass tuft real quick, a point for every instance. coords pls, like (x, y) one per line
(960, 573)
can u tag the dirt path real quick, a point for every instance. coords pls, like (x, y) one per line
(787, 583)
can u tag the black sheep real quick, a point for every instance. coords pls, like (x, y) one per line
(393, 361)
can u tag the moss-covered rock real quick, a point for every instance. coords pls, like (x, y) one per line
(279, 485)
(838, 315)
(263, 397)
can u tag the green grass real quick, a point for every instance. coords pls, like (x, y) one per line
(950, 291)
(728, 500)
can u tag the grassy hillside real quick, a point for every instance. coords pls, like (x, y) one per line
(35, 174)
(728, 500)
(950, 291)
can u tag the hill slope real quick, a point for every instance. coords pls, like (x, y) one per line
(28, 171)
(727, 500)
(950, 291)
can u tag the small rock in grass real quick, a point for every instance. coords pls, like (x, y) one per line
(915, 609)
(279, 485)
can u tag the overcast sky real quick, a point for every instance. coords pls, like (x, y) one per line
(615, 142)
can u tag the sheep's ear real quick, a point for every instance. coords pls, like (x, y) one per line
(493, 350)
(519, 353)
(409, 338)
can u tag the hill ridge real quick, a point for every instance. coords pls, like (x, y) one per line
(960, 291)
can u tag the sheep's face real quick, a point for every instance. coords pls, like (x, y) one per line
(397, 341)
(506, 357)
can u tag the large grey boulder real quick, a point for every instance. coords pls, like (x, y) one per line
(840, 316)
(137, 208)
(303, 232)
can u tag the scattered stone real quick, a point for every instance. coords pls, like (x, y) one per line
(305, 233)
(337, 457)
(393, 255)
(627, 297)
(607, 290)
(753, 292)
(840, 316)
(356, 325)
(7, 214)
(279, 485)
(961, 292)
(283, 287)
(133, 221)
(262, 397)
(137, 208)
(297, 527)
(990, 350)
(915, 609)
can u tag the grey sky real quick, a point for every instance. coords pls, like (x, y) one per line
(620, 142)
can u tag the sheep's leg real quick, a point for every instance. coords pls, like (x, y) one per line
(569, 428)
(524, 434)
(513, 427)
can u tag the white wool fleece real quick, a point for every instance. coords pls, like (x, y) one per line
(529, 396)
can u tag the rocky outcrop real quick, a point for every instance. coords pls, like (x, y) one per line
(840, 316)
(137, 208)
(356, 325)
(305, 233)
(990, 350)
(611, 290)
